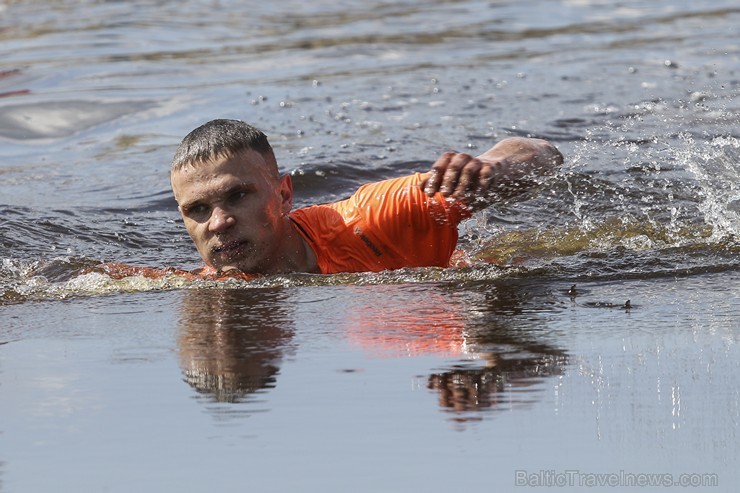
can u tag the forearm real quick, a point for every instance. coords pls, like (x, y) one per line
(514, 166)
(507, 169)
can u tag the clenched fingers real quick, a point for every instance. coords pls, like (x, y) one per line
(467, 179)
(459, 176)
(452, 174)
(433, 183)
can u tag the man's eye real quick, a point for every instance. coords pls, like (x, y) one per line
(237, 196)
(196, 210)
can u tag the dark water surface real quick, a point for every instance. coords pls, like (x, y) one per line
(496, 377)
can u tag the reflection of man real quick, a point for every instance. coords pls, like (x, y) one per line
(496, 359)
(232, 341)
(476, 388)
(238, 210)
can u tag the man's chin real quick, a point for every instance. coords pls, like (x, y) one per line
(245, 266)
(224, 272)
(223, 268)
(239, 261)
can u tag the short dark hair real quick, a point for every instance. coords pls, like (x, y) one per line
(221, 139)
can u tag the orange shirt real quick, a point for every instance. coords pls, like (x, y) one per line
(386, 225)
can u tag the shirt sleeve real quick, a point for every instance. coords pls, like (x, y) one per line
(411, 228)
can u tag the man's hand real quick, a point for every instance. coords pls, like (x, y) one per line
(509, 168)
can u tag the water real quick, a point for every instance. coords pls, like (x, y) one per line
(419, 379)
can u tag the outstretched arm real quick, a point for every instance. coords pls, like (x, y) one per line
(509, 168)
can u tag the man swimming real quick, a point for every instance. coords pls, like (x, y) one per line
(238, 209)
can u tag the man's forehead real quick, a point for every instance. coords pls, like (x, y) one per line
(207, 182)
(244, 162)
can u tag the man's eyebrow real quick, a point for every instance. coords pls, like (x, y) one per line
(239, 187)
(244, 186)
(187, 205)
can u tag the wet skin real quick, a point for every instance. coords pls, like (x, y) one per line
(236, 212)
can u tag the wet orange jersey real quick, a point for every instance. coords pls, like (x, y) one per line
(385, 225)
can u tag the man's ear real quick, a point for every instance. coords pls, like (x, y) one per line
(286, 193)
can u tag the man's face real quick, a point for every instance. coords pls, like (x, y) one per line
(234, 211)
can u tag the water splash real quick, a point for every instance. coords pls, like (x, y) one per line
(716, 166)
(65, 278)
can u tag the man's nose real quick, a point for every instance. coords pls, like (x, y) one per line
(221, 220)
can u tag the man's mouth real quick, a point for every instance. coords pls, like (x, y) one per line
(230, 249)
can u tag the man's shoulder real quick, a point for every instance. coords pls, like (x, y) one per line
(402, 200)
(387, 196)
(401, 183)
(375, 196)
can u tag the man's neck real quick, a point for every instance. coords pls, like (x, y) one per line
(299, 255)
